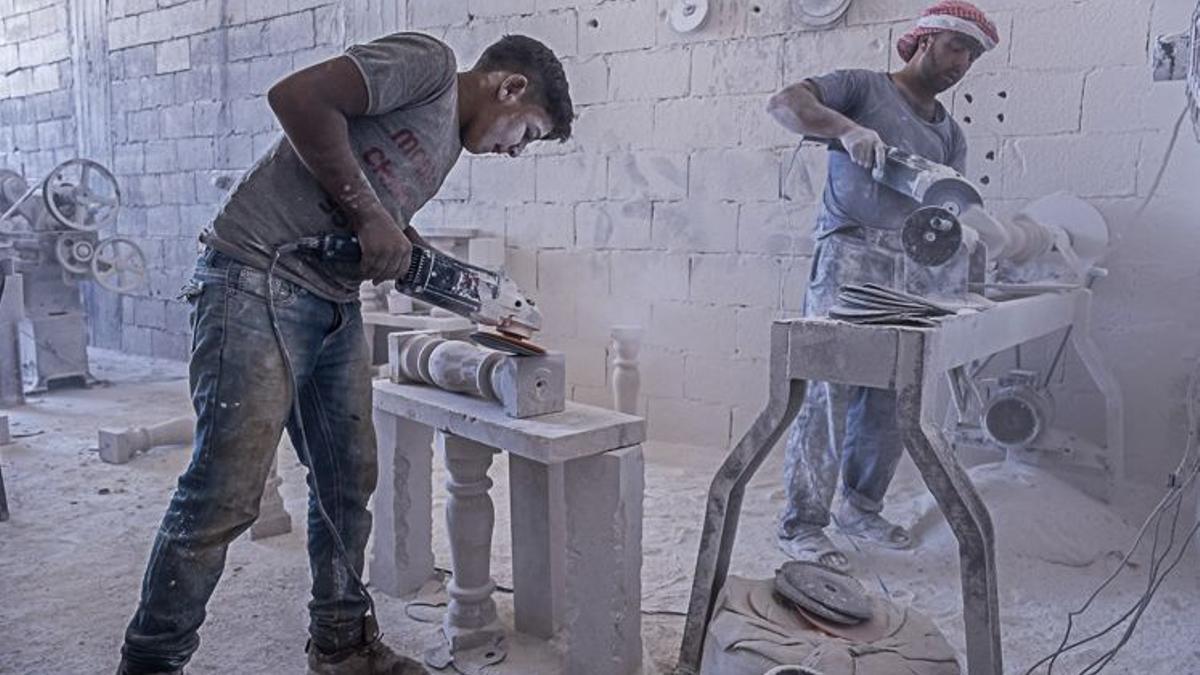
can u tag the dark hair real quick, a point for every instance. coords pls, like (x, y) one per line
(547, 81)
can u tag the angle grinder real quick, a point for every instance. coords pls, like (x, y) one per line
(932, 233)
(481, 295)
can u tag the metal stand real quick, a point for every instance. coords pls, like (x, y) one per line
(912, 362)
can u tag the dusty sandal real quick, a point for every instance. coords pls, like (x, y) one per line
(815, 548)
(876, 529)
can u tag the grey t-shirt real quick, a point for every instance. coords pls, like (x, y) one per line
(852, 198)
(407, 142)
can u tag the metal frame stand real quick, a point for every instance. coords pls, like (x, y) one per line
(910, 361)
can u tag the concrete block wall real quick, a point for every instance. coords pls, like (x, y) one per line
(679, 205)
(36, 104)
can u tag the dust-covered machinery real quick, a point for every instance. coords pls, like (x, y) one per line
(49, 241)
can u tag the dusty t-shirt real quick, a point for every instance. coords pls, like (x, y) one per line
(406, 143)
(852, 198)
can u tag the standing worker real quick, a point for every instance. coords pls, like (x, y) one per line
(857, 232)
(370, 136)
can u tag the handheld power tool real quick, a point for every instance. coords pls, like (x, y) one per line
(481, 295)
(932, 233)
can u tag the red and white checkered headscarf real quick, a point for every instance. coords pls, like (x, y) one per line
(953, 15)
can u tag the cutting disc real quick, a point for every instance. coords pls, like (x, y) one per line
(824, 592)
(885, 620)
(931, 236)
(509, 344)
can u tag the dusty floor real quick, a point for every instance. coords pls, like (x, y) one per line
(71, 558)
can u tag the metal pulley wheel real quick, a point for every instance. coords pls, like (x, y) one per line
(82, 195)
(119, 265)
(819, 13)
(931, 236)
(75, 252)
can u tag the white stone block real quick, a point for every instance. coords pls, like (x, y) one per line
(738, 175)
(172, 56)
(558, 30)
(817, 53)
(615, 126)
(1087, 165)
(578, 431)
(694, 225)
(603, 563)
(468, 40)
(571, 178)
(647, 276)
(1100, 33)
(753, 331)
(578, 274)
(402, 554)
(648, 175)
(588, 78)
(737, 67)
(662, 372)
(617, 225)
(692, 327)
(536, 225)
(499, 7)
(430, 13)
(502, 180)
(1015, 102)
(733, 279)
(692, 123)
(776, 228)
(733, 381)
(617, 27)
(696, 423)
(1121, 99)
(539, 545)
(655, 74)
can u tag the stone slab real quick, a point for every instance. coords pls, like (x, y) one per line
(579, 431)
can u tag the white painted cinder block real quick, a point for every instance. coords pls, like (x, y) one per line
(662, 372)
(499, 7)
(558, 30)
(571, 178)
(753, 331)
(1099, 33)
(733, 381)
(732, 279)
(615, 126)
(430, 13)
(735, 174)
(816, 53)
(502, 180)
(172, 56)
(537, 226)
(650, 275)
(1088, 165)
(656, 74)
(698, 423)
(699, 226)
(737, 67)
(617, 27)
(693, 123)
(777, 228)
(589, 79)
(613, 224)
(1015, 102)
(648, 175)
(577, 274)
(693, 327)
(468, 40)
(1123, 98)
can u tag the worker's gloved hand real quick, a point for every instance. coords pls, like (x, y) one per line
(865, 147)
(386, 251)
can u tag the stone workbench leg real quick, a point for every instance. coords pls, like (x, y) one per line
(602, 608)
(539, 545)
(402, 557)
(470, 620)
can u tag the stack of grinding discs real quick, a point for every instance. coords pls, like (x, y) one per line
(832, 601)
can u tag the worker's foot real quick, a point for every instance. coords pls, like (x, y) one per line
(811, 545)
(872, 527)
(126, 669)
(374, 658)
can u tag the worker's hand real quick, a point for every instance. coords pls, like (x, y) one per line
(385, 249)
(865, 147)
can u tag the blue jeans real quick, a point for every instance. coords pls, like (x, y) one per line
(243, 403)
(840, 428)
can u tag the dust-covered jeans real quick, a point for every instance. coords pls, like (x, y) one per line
(842, 427)
(243, 402)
